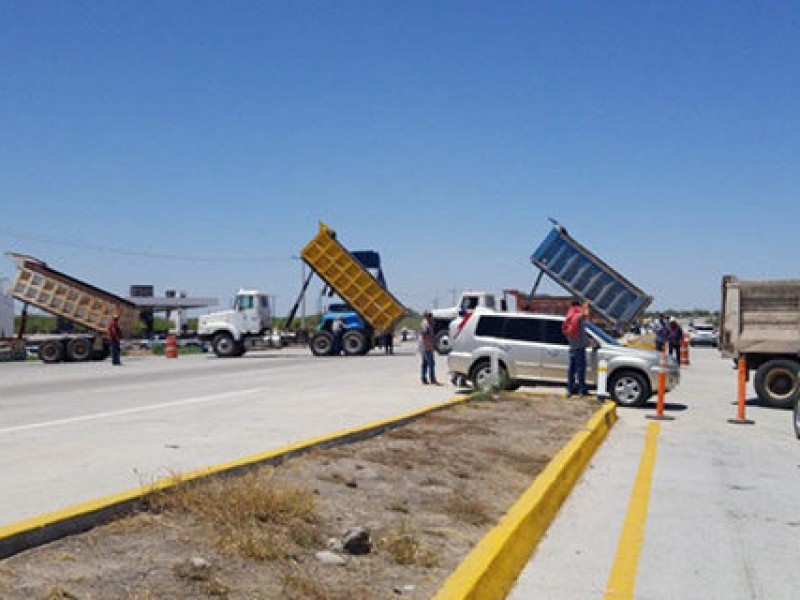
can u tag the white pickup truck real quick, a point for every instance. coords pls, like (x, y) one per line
(470, 300)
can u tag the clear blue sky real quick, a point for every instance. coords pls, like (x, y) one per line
(664, 135)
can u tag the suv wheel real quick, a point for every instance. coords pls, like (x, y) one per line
(629, 388)
(482, 380)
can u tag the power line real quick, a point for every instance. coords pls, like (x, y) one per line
(139, 253)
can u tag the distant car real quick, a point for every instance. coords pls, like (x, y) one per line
(703, 335)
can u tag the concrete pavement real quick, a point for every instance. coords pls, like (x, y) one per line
(723, 519)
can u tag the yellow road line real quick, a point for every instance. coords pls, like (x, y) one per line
(623, 574)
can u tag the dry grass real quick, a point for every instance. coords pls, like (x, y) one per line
(299, 583)
(59, 592)
(404, 545)
(254, 515)
(467, 509)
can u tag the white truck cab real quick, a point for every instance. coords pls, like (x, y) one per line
(469, 300)
(229, 331)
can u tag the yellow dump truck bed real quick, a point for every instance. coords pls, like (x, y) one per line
(354, 284)
(47, 289)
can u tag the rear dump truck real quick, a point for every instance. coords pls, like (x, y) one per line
(83, 305)
(760, 323)
(579, 271)
(364, 294)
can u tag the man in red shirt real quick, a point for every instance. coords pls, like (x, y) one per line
(114, 336)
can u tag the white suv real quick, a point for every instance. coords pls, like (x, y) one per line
(533, 351)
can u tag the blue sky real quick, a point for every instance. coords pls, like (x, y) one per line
(664, 135)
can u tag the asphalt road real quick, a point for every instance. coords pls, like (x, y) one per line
(723, 519)
(75, 432)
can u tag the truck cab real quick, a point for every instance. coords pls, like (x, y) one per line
(469, 300)
(228, 330)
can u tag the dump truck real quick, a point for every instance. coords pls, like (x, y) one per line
(584, 275)
(760, 323)
(378, 310)
(75, 301)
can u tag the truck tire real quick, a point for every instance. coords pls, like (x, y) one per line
(51, 351)
(354, 343)
(629, 388)
(321, 343)
(777, 383)
(225, 346)
(79, 349)
(481, 376)
(442, 342)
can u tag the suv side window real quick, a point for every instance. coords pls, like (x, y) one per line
(524, 330)
(490, 326)
(553, 334)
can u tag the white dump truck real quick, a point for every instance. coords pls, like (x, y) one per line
(760, 323)
(247, 326)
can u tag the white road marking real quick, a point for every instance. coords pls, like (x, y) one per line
(131, 411)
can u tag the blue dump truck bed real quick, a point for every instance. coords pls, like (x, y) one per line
(584, 275)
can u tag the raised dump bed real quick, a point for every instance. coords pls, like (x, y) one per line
(579, 271)
(346, 276)
(76, 301)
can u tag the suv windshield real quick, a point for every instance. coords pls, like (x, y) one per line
(607, 339)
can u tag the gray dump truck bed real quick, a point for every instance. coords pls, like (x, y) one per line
(583, 274)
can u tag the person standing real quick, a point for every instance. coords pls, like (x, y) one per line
(388, 342)
(661, 332)
(114, 336)
(425, 347)
(675, 337)
(578, 340)
(337, 328)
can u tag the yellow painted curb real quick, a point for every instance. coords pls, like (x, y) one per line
(491, 569)
(51, 526)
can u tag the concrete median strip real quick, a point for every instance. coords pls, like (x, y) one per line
(488, 571)
(493, 566)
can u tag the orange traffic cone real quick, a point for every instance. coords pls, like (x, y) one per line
(171, 347)
(685, 350)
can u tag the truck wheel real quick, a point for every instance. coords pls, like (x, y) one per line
(321, 343)
(442, 342)
(224, 345)
(79, 349)
(354, 343)
(481, 376)
(629, 388)
(777, 383)
(51, 351)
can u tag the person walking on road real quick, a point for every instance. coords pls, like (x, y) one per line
(114, 336)
(425, 347)
(661, 331)
(675, 337)
(578, 340)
